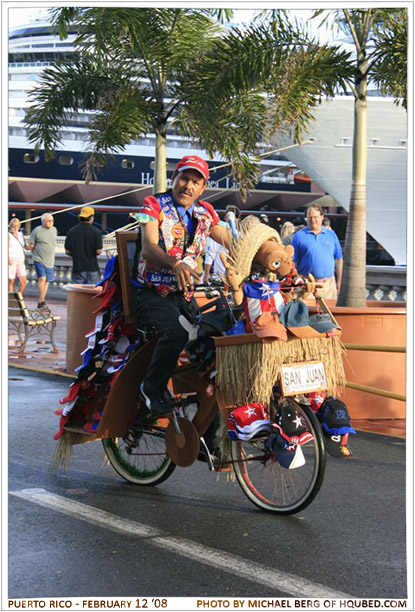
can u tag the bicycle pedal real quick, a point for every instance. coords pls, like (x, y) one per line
(223, 468)
(206, 454)
(174, 420)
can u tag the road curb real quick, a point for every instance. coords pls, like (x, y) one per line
(41, 371)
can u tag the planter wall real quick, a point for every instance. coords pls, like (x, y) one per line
(80, 321)
(378, 324)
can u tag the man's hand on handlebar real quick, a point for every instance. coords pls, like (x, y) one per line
(185, 277)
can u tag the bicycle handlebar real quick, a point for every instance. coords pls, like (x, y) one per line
(217, 290)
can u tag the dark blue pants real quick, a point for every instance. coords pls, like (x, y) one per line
(86, 278)
(163, 314)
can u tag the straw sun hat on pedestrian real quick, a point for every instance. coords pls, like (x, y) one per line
(252, 235)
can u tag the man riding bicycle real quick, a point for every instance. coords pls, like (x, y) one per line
(174, 227)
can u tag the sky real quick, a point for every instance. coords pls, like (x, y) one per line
(20, 16)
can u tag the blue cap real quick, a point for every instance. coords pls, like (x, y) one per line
(295, 314)
(334, 417)
(108, 271)
(322, 323)
(87, 359)
(238, 328)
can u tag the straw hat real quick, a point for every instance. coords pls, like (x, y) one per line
(252, 235)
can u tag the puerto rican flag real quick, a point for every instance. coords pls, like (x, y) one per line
(259, 297)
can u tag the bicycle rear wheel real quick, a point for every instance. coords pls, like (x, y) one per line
(270, 486)
(141, 456)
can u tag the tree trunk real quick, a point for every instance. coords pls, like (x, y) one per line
(160, 170)
(353, 287)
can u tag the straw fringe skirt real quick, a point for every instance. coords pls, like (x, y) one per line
(248, 372)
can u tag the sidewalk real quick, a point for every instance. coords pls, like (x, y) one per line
(38, 358)
(38, 355)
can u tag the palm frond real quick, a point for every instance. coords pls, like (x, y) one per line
(232, 131)
(67, 87)
(62, 18)
(123, 115)
(390, 56)
(292, 71)
(306, 75)
(221, 15)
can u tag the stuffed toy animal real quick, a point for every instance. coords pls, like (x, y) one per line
(275, 258)
(271, 261)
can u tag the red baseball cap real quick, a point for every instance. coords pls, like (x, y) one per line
(267, 325)
(193, 162)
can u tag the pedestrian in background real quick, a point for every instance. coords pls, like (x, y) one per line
(299, 223)
(214, 268)
(317, 251)
(17, 267)
(83, 243)
(264, 218)
(287, 232)
(42, 243)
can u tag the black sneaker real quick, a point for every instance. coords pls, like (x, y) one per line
(161, 406)
(41, 305)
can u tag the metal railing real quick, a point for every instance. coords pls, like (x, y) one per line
(367, 388)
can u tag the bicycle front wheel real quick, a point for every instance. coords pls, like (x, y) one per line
(141, 456)
(270, 486)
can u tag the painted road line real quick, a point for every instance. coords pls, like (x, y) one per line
(278, 580)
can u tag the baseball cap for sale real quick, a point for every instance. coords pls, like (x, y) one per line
(245, 422)
(322, 323)
(337, 445)
(288, 456)
(334, 417)
(336, 426)
(267, 325)
(193, 162)
(295, 318)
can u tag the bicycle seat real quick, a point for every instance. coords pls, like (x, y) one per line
(214, 323)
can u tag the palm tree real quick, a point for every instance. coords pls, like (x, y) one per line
(380, 40)
(130, 69)
(142, 70)
(145, 69)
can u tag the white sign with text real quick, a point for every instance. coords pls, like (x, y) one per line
(303, 378)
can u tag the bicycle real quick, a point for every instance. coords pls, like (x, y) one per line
(149, 450)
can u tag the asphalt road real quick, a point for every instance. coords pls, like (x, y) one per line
(87, 533)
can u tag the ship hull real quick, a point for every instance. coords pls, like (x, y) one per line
(328, 161)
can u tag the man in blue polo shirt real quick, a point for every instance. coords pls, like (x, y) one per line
(317, 251)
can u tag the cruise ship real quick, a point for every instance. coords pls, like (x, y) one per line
(291, 176)
(327, 158)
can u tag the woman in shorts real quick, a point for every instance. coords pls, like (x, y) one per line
(17, 268)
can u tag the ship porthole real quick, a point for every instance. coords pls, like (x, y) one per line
(65, 160)
(30, 158)
(128, 164)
